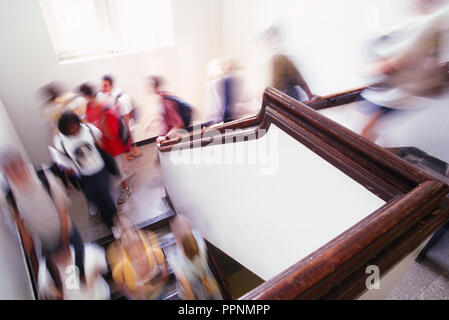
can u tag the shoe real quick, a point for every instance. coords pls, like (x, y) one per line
(116, 232)
(124, 195)
(92, 210)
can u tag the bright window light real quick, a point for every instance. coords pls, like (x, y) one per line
(85, 28)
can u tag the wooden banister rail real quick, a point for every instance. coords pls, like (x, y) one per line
(315, 275)
(323, 102)
(415, 201)
(32, 265)
(336, 99)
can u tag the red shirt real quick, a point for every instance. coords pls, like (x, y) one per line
(108, 123)
(93, 113)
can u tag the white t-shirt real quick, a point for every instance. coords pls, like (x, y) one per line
(94, 266)
(83, 154)
(124, 102)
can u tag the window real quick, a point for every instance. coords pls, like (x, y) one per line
(85, 28)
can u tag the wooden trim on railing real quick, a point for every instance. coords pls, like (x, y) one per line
(336, 99)
(318, 273)
(355, 285)
(383, 173)
(32, 266)
(328, 101)
(411, 196)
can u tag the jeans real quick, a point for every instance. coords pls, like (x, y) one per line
(77, 242)
(96, 189)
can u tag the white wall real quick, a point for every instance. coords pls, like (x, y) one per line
(16, 285)
(28, 62)
(15, 277)
(259, 206)
(325, 38)
(8, 134)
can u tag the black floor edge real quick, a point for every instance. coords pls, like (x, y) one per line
(150, 224)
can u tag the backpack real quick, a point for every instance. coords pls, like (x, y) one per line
(124, 133)
(185, 110)
(133, 112)
(122, 268)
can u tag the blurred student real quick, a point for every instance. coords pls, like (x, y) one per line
(39, 208)
(176, 114)
(78, 143)
(285, 76)
(57, 101)
(66, 284)
(222, 92)
(109, 95)
(189, 262)
(408, 66)
(138, 265)
(107, 120)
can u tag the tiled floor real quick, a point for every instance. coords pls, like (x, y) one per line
(429, 279)
(144, 203)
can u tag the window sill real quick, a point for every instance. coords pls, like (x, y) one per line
(107, 55)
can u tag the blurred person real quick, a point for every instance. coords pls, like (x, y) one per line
(106, 118)
(176, 114)
(78, 142)
(190, 263)
(214, 94)
(285, 76)
(138, 265)
(222, 92)
(39, 208)
(115, 96)
(66, 285)
(408, 66)
(57, 101)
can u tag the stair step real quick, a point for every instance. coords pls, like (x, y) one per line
(172, 289)
(152, 224)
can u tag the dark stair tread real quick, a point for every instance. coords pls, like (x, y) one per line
(422, 159)
(439, 253)
(172, 293)
(154, 224)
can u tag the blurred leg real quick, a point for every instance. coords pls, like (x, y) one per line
(77, 242)
(105, 204)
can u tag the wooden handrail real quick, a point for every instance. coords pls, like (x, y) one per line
(411, 196)
(328, 101)
(337, 99)
(317, 273)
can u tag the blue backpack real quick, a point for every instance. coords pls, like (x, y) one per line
(185, 110)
